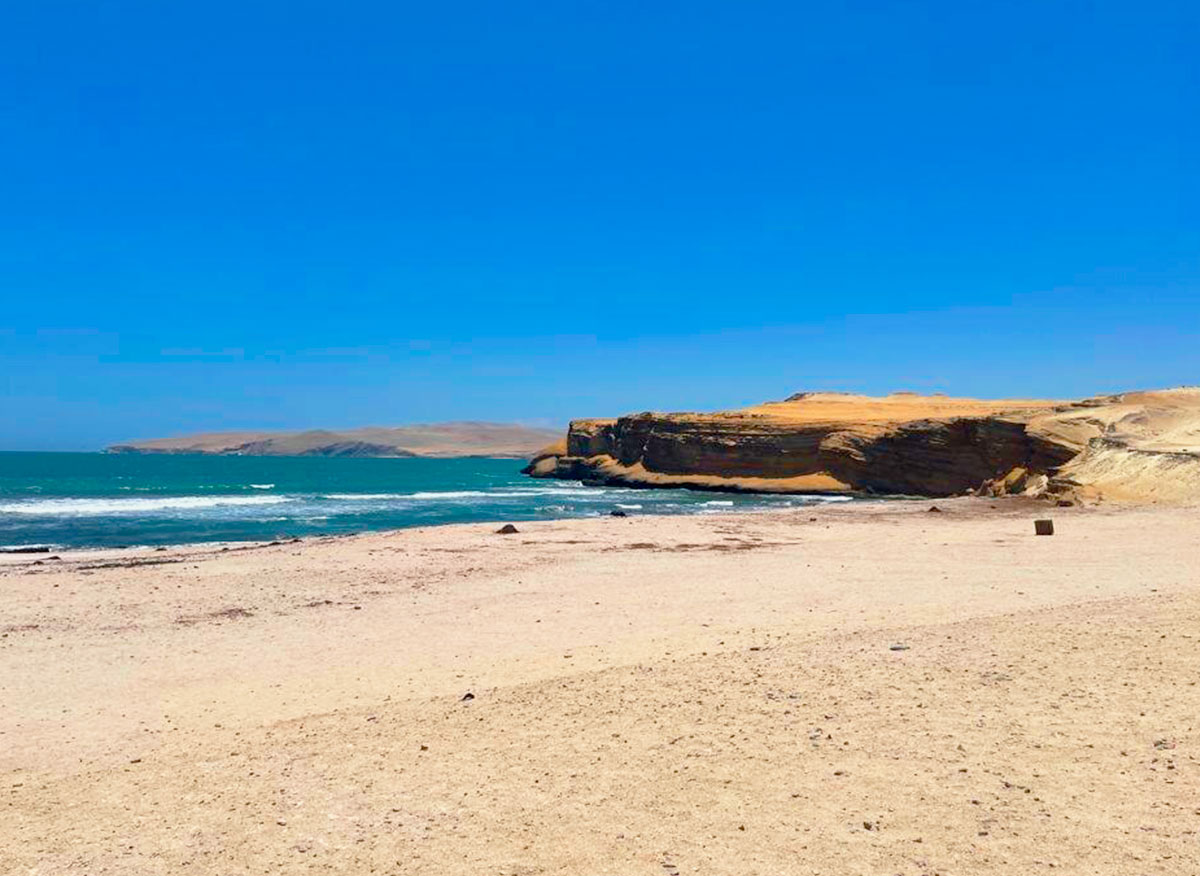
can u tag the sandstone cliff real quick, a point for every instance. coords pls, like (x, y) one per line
(1131, 446)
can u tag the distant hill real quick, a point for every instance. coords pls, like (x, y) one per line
(430, 440)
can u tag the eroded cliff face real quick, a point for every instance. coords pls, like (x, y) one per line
(901, 444)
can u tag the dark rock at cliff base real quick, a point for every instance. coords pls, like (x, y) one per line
(507, 529)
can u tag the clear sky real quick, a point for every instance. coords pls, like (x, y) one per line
(295, 214)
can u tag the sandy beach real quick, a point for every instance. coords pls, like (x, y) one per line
(863, 688)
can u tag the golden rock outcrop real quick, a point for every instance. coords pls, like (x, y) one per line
(1143, 445)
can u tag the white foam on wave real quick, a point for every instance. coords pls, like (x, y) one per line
(384, 497)
(577, 493)
(262, 486)
(363, 497)
(105, 507)
(585, 494)
(630, 507)
(431, 496)
(567, 490)
(451, 494)
(716, 502)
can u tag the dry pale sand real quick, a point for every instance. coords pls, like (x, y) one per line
(899, 407)
(650, 695)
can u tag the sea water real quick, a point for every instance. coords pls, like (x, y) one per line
(72, 500)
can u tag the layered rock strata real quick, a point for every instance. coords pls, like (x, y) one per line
(899, 444)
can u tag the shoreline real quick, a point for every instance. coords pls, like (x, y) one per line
(641, 689)
(1005, 505)
(21, 551)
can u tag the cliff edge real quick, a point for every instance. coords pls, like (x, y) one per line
(1140, 446)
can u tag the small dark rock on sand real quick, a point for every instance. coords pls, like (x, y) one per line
(617, 512)
(467, 697)
(898, 647)
(1043, 527)
(507, 529)
(934, 509)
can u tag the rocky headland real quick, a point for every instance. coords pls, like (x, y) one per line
(1136, 446)
(442, 440)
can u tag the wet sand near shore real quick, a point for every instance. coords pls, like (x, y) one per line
(850, 689)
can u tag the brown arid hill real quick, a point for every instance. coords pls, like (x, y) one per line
(1135, 446)
(505, 440)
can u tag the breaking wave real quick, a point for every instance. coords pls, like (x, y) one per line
(105, 507)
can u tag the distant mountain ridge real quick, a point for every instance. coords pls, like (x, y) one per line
(439, 440)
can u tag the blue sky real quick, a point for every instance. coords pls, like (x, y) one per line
(284, 215)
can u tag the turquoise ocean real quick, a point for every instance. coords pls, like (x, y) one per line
(73, 500)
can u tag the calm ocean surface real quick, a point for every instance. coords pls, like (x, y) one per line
(67, 500)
